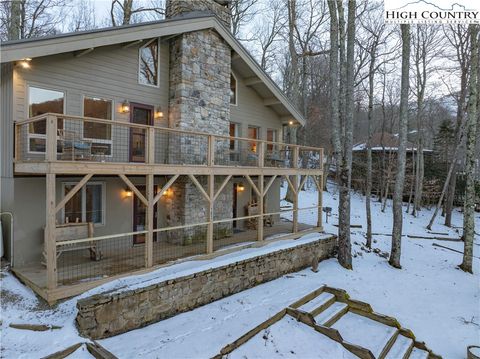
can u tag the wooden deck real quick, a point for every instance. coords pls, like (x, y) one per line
(77, 272)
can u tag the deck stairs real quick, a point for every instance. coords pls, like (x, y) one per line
(351, 323)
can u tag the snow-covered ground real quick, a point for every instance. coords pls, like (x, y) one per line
(429, 295)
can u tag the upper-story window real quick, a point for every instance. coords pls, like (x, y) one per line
(233, 89)
(148, 69)
(99, 133)
(42, 101)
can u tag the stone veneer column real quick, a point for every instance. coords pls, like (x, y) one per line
(200, 70)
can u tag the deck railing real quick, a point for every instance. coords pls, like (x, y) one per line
(57, 137)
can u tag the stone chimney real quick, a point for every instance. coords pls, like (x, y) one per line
(220, 8)
(199, 100)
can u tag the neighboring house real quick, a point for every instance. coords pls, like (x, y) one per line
(384, 147)
(129, 147)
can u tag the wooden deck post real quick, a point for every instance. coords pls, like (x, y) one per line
(211, 196)
(51, 140)
(151, 145)
(260, 205)
(320, 200)
(295, 185)
(211, 151)
(261, 154)
(150, 218)
(50, 240)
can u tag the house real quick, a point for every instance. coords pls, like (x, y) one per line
(131, 147)
(384, 148)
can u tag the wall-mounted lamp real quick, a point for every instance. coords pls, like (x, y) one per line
(128, 193)
(158, 112)
(168, 193)
(24, 63)
(240, 187)
(290, 123)
(125, 107)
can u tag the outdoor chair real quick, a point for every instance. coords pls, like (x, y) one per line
(73, 146)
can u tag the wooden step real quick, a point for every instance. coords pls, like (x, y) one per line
(330, 315)
(318, 304)
(418, 354)
(401, 349)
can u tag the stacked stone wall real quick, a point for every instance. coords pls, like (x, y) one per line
(109, 314)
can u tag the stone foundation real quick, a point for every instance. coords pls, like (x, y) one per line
(106, 315)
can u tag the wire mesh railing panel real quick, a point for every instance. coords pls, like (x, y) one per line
(173, 244)
(31, 141)
(307, 218)
(236, 152)
(180, 148)
(84, 261)
(310, 159)
(278, 155)
(92, 140)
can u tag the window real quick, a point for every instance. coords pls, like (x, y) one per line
(253, 134)
(233, 90)
(99, 133)
(272, 137)
(148, 64)
(42, 101)
(87, 205)
(233, 133)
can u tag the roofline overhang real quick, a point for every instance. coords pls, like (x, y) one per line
(12, 51)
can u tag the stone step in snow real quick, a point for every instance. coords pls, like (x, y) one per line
(331, 314)
(365, 332)
(323, 300)
(400, 349)
(418, 354)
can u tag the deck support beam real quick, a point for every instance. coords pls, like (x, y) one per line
(72, 192)
(150, 210)
(135, 190)
(297, 189)
(165, 188)
(50, 225)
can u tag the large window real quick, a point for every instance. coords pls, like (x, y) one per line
(272, 137)
(99, 133)
(233, 90)
(253, 134)
(41, 101)
(148, 64)
(87, 205)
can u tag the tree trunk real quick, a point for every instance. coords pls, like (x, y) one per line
(368, 193)
(401, 151)
(471, 132)
(15, 20)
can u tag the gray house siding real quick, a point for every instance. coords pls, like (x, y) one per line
(107, 72)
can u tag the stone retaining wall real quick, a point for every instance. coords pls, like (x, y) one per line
(105, 315)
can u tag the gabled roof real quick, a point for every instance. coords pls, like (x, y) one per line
(243, 62)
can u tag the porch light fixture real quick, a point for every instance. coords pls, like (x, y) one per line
(24, 63)
(290, 123)
(128, 193)
(158, 112)
(125, 108)
(240, 187)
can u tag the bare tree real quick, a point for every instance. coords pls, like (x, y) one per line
(401, 151)
(22, 19)
(125, 12)
(243, 11)
(471, 130)
(426, 45)
(458, 37)
(82, 16)
(341, 113)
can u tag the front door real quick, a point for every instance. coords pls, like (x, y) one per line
(143, 115)
(140, 216)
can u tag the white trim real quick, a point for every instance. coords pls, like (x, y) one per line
(40, 86)
(236, 89)
(84, 202)
(158, 65)
(98, 140)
